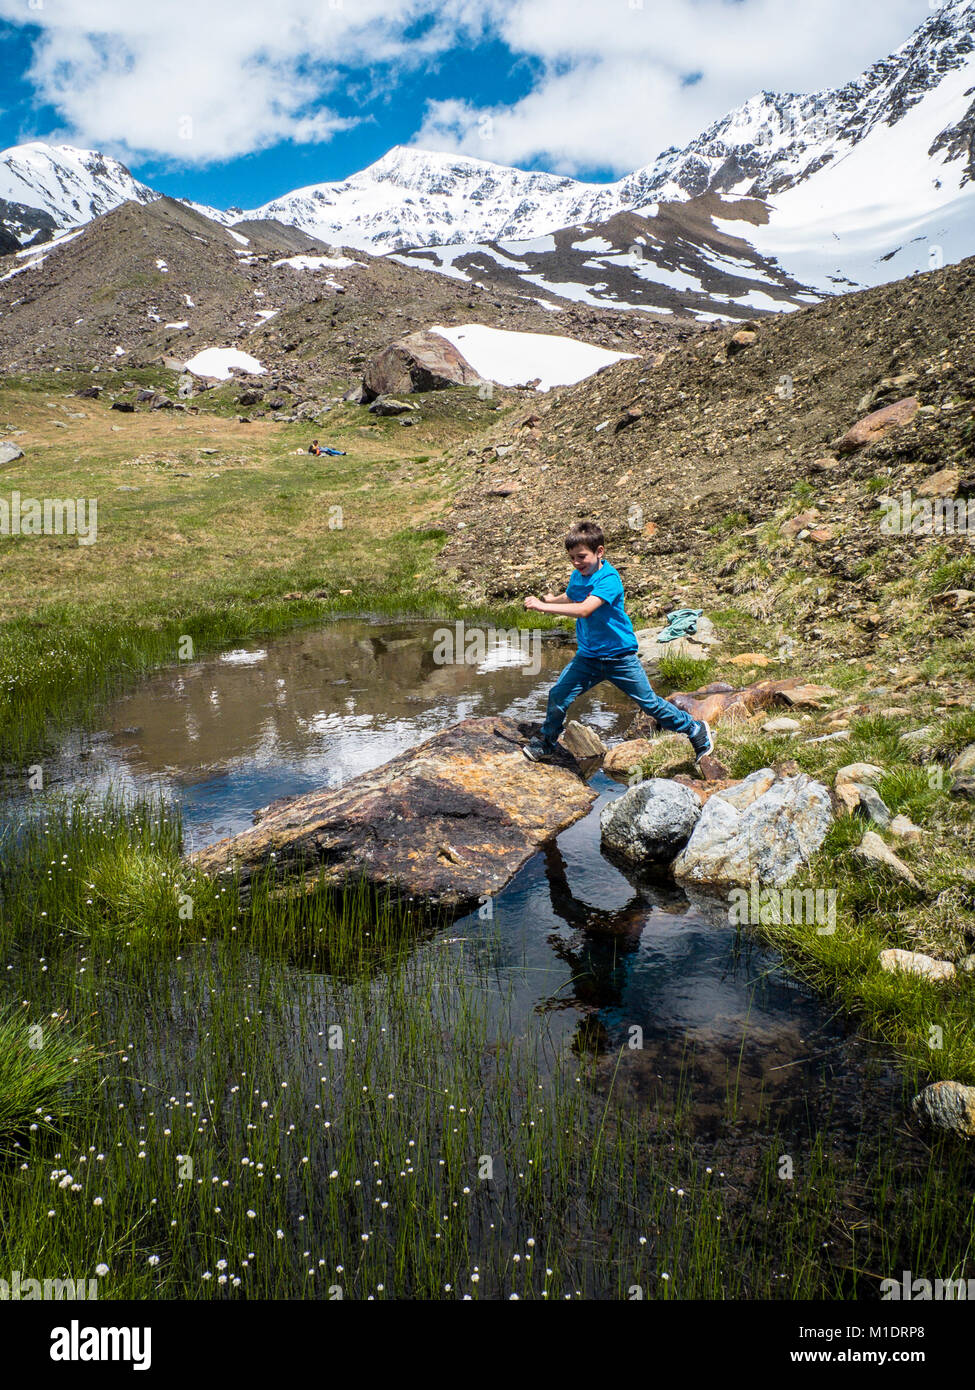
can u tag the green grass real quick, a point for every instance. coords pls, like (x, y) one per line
(684, 672)
(46, 1077)
(324, 1096)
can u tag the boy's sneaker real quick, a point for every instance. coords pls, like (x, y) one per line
(701, 740)
(537, 750)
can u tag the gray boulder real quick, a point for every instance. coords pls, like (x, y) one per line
(9, 452)
(650, 822)
(768, 838)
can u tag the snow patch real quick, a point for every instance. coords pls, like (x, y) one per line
(317, 262)
(508, 357)
(217, 362)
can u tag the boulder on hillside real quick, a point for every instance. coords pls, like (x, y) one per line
(697, 644)
(9, 452)
(421, 361)
(447, 823)
(764, 828)
(878, 424)
(651, 822)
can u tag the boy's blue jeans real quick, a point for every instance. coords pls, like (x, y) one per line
(626, 673)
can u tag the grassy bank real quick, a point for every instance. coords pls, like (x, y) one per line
(209, 532)
(874, 718)
(322, 1099)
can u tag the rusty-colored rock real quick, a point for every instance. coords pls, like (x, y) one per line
(879, 423)
(621, 759)
(731, 705)
(944, 483)
(449, 822)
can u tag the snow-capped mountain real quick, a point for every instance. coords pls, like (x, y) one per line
(49, 188)
(860, 183)
(422, 198)
(769, 145)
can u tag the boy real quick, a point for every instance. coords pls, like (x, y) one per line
(607, 647)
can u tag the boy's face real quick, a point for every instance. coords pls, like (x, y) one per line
(586, 560)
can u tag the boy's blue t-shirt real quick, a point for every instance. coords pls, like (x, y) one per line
(608, 631)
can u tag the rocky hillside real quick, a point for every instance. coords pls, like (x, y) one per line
(154, 281)
(714, 469)
(692, 258)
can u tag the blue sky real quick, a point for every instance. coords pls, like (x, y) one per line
(237, 101)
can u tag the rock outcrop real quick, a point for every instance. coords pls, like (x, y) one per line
(447, 823)
(722, 702)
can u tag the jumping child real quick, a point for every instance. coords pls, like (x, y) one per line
(606, 647)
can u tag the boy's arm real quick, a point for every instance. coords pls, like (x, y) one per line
(564, 610)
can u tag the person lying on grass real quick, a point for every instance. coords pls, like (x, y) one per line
(606, 647)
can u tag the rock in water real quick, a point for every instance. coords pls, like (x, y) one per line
(448, 822)
(948, 1105)
(581, 741)
(650, 822)
(768, 836)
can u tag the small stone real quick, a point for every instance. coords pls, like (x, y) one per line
(859, 772)
(947, 1105)
(872, 851)
(873, 806)
(965, 760)
(581, 741)
(875, 426)
(944, 483)
(916, 963)
(625, 757)
(905, 829)
(782, 725)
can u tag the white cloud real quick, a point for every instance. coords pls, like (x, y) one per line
(199, 82)
(612, 91)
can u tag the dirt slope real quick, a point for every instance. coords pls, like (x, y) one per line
(723, 440)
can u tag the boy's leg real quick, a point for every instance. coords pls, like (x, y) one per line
(629, 676)
(579, 676)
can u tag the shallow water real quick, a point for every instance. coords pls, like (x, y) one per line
(609, 962)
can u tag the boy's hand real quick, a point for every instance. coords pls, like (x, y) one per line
(532, 602)
(551, 598)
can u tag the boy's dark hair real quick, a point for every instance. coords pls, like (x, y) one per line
(585, 533)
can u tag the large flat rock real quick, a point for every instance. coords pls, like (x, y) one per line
(448, 822)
